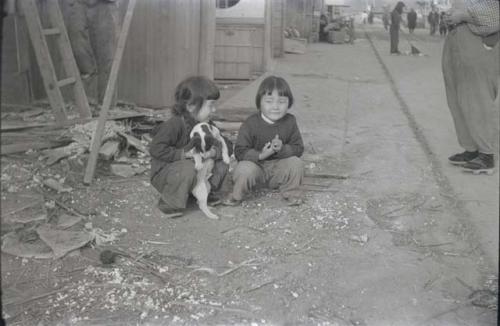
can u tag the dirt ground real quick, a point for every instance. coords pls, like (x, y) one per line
(379, 244)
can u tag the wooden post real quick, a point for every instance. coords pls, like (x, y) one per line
(108, 95)
(267, 35)
(207, 38)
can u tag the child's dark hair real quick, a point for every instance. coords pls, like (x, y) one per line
(194, 91)
(272, 83)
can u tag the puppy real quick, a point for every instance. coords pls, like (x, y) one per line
(203, 136)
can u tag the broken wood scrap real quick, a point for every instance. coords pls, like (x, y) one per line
(37, 297)
(326, 175)
(109, 149)
(25, 146)
(214, 307)
(134, 142)
(248, 262)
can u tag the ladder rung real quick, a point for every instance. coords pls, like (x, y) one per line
(66, 81)
(51, 31)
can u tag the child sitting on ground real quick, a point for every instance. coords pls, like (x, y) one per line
(172, 169)
(269, 145)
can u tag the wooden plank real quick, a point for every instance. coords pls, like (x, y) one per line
(108, 95)
(68, 59)
(207, 38)
(51, 31)
(266, 55)
(65, 82)
(44, 59)
(24, 146)
(6, 127)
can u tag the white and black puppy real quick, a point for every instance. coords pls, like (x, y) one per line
(202, 138)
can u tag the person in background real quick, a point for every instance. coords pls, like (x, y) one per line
(364, 16)
(396, 26)
(471, 75)
(411, 17)
(433, 20)
(370, 17)
(323, 22)
(92, 27)
(443, 29)
(386, 17)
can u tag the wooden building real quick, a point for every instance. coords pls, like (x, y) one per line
(304, 15)
(241, 45)
(168, 41)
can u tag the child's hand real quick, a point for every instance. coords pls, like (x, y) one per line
(277, 143)
(266, 151)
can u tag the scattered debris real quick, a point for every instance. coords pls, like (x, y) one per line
(360, 238)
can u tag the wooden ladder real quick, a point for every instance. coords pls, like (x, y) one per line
(52, 85)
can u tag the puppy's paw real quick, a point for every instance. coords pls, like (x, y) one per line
(212, 216)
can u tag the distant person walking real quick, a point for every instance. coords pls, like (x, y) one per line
(433, 19)
(471, 75)
(411, 17)
(443, 29)
(395, 26)
(386, 18)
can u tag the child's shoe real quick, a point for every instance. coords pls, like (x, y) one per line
(169, 212)
(293, 201)
(483, 163)
(462, 158)
(213, 200)
(230, 201)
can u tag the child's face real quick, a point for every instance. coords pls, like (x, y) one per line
(274, 106)
(206, 111)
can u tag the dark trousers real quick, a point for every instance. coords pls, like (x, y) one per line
(177, 179)
(394, 33)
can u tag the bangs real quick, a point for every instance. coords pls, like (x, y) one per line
(271, 84)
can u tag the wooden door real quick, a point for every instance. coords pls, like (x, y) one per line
(233, 52)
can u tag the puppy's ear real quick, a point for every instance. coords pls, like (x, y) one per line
(194, 142)
(209, 141)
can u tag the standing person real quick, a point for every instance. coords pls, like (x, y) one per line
(323, 22)
(433, 19)
(92, 27)
(370, 17)
(471, 75)
(172, 169)
(412, 20)
(269, 145)
(364, 16)
(385, 17)
(443, 29)
(395, 26)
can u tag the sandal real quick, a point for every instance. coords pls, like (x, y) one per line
(230, 201)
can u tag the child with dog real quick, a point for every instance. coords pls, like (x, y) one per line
(173, 171)
(269, 146)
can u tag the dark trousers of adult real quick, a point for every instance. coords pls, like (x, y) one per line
(433, 29)
(442, 30)
(394, 34)
(92, 27)
(471, 75)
